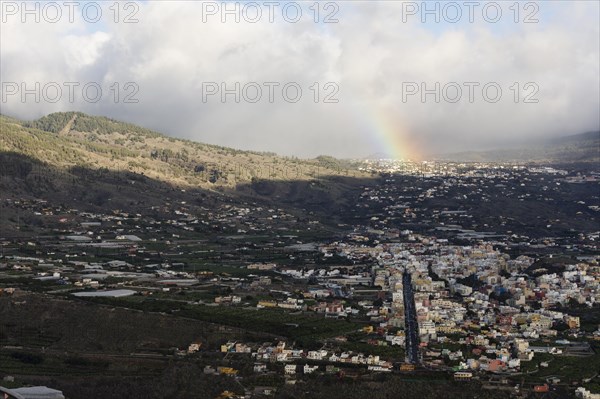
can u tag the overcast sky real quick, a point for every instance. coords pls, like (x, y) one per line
(374, 61)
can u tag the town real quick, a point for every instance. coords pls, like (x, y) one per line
(415, 279)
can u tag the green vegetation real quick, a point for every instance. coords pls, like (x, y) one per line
(54, 122)
(73, 142)
(28, 358)
(301, 327)
(77, 361)
(568, 369)
(86, 123)
(571, 368)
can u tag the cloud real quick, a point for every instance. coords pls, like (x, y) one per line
(371, 56)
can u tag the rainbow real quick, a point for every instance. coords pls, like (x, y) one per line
(390, 134)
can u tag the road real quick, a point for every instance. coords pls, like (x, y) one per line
(410, 320)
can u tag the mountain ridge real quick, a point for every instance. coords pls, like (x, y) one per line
(96, 164)
(76, 139)
(582, 147)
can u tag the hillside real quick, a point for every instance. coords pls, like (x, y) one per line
(73, 139)
(583, 147)
(96, 164)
